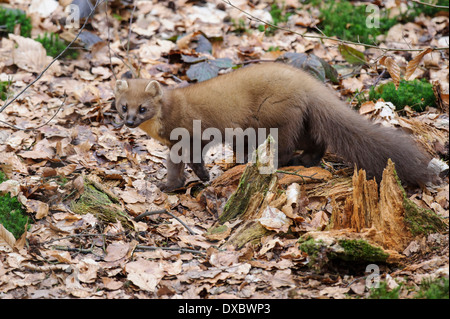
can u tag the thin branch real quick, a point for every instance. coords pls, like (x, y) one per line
(98, 2)
(163, 211)
(38, 127)
(302, 176)
(323, 37)
(82, 235)
(183, 250)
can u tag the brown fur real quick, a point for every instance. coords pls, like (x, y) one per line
(309, 117)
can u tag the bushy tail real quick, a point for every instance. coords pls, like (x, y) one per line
(368, 145)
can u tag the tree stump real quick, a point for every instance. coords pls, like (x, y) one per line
(255, 191)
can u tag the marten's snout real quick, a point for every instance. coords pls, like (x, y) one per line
(131, 121)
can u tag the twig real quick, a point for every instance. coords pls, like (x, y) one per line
(302, 176)
(304, 35)
(78, 250)
(98, 2)
(82, 235)
(163, 211)
(183, 250)
(38, 127)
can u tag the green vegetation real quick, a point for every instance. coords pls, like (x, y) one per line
(279, 14)
(428, 289)
(99, 204)
(383, 292)
(54, 45)
(12, 215)
(349, 22)
(4, 86)
(416, 94)
(434, 289)
(360, 250)
(9, 18)
(239, 27)
(421, 221)
(347, 250)
(416, 9)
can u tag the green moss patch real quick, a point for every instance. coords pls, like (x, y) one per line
(12, 215)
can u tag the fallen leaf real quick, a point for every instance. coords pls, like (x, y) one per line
(393, 69)
(144, 274)
(31, 56)
(274, 219)
(7, 240)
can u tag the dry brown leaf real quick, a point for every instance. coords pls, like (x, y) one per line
(414, 63)
(393, 69)
(367, 107)
(111, 284)
(144, 274)
(116, 251)
(31, 56)
(66, 170)
(274, 219)
(38, 207)
(10, 186)
(87, 270)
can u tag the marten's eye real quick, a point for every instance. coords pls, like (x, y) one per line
(142, 110)
(124, 108)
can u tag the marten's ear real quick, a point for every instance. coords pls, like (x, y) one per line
(121, 86)
(154, 88)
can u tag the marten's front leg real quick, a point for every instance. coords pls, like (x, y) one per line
(175, 176)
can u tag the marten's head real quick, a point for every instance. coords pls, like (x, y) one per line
(137, 100)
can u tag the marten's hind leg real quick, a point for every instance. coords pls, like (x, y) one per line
(312, 153)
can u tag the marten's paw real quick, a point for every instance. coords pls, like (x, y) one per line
(169, 186)
(201, 171)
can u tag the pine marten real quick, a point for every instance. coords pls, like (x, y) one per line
(308, 116)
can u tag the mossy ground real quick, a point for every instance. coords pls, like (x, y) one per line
(343, 249)
(100, 205)
(12, 215)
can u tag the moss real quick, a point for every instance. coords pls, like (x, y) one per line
(428, 289)
(100, 205)
(278, 14)
(321, 252)
(4, 87)
(9, 18)
(348, 22)
(251, 182)
(361, 250)
(383, 292)
(12, 215)
(54, 45)
(433, 289)
(420, 221)
(218, 230)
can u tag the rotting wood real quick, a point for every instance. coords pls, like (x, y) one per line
(389, 214)
(255, 191)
